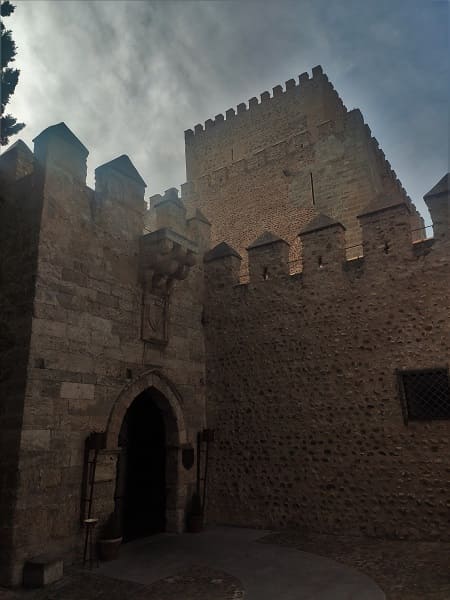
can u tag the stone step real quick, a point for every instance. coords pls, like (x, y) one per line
(42, 570)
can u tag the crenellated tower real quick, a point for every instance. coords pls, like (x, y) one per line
(278, 161)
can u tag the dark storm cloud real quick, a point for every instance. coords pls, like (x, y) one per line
(129, 77)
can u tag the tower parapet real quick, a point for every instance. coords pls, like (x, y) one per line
(323, 243)
(16, 162)
(386, 229)
(118, 179)
(119, 196)
(438, 203)
(222, 265)
(59, 149)
(387, 244)
(220, 141)
(199, 229)
(290, 86)
(268, 258)
(169, 211)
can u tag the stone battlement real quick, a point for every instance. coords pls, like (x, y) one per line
(291, 86)
(387, 245)
(299, 149)
(59, 158)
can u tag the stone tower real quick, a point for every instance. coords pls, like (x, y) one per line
(280, 160)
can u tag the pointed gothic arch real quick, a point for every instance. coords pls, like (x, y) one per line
(168, 401)
(152, 378)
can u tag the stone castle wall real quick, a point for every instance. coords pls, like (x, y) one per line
(302, 383)
(79, 346)
(102, 299)
(256, 169)
(19, 227)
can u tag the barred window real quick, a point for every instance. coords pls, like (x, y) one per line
(425, 394)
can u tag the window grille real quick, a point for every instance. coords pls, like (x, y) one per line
(425, 394)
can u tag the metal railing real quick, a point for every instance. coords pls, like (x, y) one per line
(420, 238)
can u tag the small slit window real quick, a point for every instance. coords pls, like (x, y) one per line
(425, 394)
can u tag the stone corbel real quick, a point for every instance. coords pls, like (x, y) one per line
(165, 257)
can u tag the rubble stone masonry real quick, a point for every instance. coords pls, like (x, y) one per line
(302, 384)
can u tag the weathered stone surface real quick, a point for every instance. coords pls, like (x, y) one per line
(100, 302)
(42, 571)
(77, 252)
(84, 391)
(302, 388)
(35, 439)
(278, 164)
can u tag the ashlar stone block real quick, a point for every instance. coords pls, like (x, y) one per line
(42, 570)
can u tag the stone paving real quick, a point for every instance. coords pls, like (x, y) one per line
(266, 571)
(197, 583)
(405, 570)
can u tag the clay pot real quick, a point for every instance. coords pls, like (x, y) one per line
(109, 549)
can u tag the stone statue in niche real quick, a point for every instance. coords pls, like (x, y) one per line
(154, 319)
(165, 257)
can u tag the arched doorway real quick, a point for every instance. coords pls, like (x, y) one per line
(141, 497)
(160, 397)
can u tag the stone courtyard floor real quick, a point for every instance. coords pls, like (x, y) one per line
(222, 563)
(404, 570)
(200, 583)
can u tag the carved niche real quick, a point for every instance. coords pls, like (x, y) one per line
(154, 319)
(165, 256)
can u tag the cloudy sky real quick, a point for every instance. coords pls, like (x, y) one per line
(128, 77)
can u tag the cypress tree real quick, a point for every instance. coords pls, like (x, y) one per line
(9, 76)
